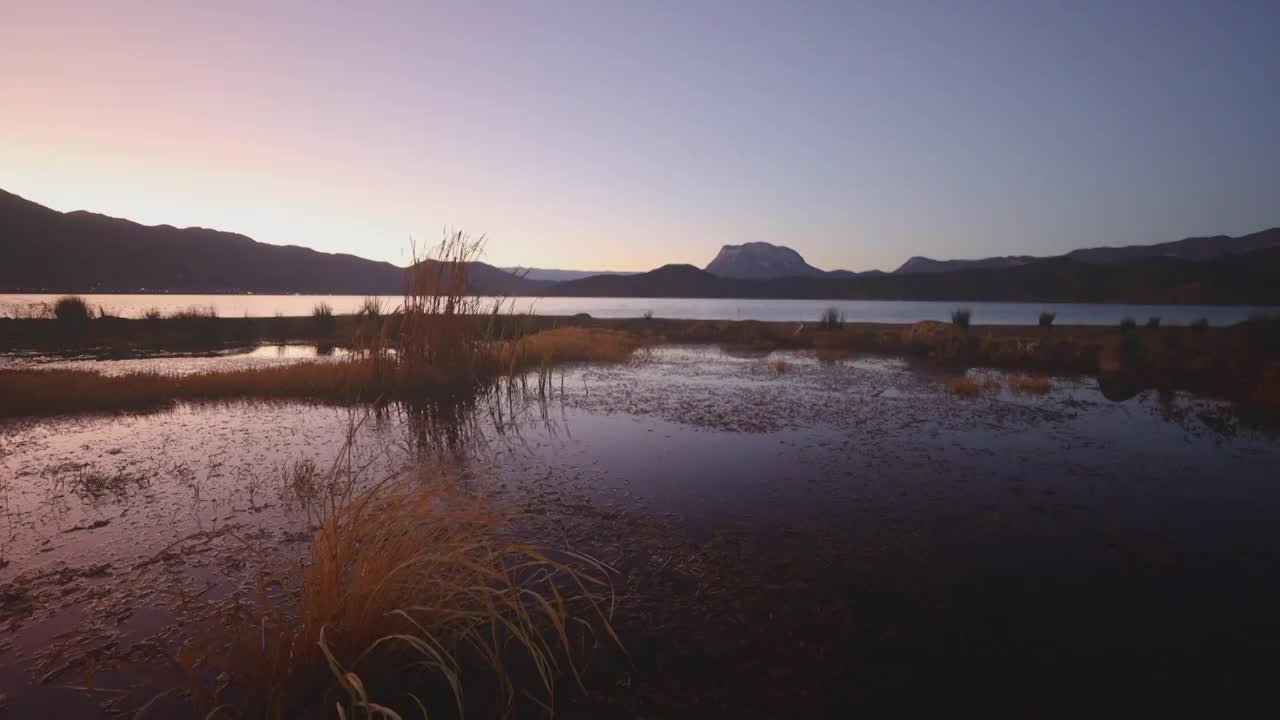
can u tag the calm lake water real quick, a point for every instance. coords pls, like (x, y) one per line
(882, 311)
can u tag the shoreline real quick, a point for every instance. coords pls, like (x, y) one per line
(1240, 363)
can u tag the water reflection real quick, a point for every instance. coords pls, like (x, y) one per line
(111, 363)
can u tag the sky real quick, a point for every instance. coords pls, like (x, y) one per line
(607, 135)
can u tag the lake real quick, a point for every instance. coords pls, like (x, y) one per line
(879, 311)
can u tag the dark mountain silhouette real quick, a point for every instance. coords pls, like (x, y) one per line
(45, 250)
(919, 264)
(42, 250)
(1194, 248)
(764, 261)
(1247, 279)
(666, 281)
(551, 275)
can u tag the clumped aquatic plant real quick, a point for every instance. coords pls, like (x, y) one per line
(71, 309)
(371, 307)
(960, 317)
(831, 319)
(322, 316)
(1047, 318)
(1200, 325)
(1127, 324)
(1153, 322)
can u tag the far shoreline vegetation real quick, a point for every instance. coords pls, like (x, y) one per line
(1238, 362)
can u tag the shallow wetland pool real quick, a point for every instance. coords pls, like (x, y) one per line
(787, 534)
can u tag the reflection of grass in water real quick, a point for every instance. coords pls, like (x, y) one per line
(410, 588)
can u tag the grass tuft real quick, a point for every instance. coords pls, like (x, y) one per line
(409, 585)
(72, 309)
(831, 319)
(322, 316)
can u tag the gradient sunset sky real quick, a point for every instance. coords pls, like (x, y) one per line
(625, 135)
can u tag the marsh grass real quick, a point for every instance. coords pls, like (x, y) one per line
(572, 344)
(960, 317)
(965, 386)
(973, 385)
(196, 312)
(413, 597)
(1029, 384)
(362, 379)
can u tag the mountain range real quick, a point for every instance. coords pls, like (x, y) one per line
(1194, 248)
(43, 250)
